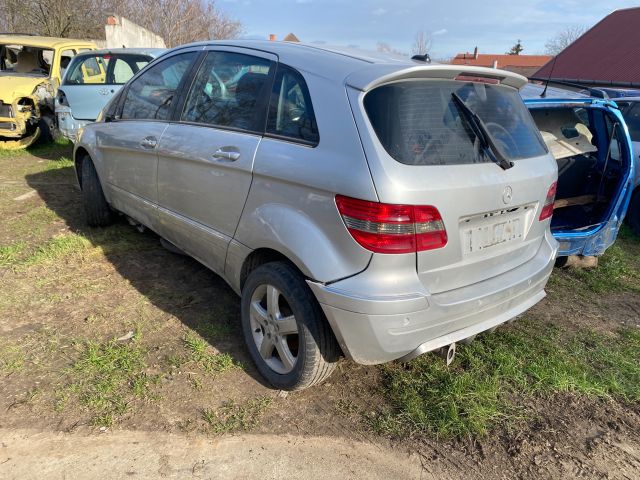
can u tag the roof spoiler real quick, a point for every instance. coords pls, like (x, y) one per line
(379, 74)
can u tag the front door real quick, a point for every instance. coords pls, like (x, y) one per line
(206, 160)
(128, 146)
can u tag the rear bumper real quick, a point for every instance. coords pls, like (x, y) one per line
(377, 330)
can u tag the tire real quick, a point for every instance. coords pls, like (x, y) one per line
(47, 130)
(313, 347)
(633, 213)
(97, 210)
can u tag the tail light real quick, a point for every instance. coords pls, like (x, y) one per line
(388, 228)
(62, 98)
(547, 210)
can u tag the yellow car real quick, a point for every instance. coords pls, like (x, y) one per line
(31, 69)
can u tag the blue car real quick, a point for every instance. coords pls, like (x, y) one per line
(91, 79)
(630, 108)
(590, 141)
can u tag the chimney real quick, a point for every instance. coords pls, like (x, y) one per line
(272, 37)
(495, 64)
(475, 53)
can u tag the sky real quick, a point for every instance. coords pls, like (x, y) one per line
(455, 26)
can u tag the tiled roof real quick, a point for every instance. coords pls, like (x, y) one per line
(503, 61)
(608, 53)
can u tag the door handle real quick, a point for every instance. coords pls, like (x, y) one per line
(227, 154)
(149, 142)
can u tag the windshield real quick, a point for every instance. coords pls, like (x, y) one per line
(25, 60)
(104, 69)
(419, 123)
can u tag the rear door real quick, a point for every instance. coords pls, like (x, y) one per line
(92, 80)
(423, 151)
(128, 145)
(206, 159)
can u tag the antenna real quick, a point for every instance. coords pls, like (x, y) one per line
(553, 65)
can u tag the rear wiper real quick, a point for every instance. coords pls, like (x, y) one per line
(476, 124)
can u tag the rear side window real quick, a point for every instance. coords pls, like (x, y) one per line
(105, 69)
(290, 111)
(229, 90)
(418, 123)
(151, 95)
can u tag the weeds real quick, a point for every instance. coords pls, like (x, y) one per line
(231, 417)
(108, 374)
(208, 361)
(12, 358)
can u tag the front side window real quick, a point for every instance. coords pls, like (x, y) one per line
(151, 96)
(290, 110)
(631, 114)
(25, 60)
(419, 123)
(227, 91)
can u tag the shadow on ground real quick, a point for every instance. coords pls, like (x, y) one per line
(178, 285)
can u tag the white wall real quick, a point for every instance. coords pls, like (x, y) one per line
(120, 32)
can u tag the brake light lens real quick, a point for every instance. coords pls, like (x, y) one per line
(390, 228)
(547, 210)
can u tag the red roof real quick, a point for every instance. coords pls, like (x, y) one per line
(504, 61)
(608, 53)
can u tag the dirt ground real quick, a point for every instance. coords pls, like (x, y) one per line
(78, 307)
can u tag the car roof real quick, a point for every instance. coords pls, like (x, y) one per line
(626, 99)
(359, 68)
(151, 52)
(42, 42)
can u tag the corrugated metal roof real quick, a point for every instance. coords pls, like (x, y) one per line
(607, 54)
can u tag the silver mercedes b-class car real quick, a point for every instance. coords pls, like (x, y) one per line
(360, 204)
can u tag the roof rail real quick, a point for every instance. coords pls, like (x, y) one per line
(594, 92)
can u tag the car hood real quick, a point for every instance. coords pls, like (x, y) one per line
(16, 86)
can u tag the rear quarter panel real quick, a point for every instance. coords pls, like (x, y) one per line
(291, 205)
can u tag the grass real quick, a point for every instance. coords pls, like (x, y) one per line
(200, 352)
(10, 254)
(232, 417)
(618, 270)
(107, 376)
(116, 240)
(38, 149)
(12, 358)
(476, 393)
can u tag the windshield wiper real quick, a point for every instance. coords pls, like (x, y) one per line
(476, 124)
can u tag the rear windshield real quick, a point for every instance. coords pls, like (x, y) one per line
(104, 69)
(418, 123)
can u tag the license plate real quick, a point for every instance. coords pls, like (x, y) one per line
(489, 235)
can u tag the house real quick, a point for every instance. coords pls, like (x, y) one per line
(605, 55)
(522, 64)
(291, 37)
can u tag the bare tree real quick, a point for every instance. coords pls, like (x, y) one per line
(563, 39)
(421, 43)
(177, 21)
(386, 48)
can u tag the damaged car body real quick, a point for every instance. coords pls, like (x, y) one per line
(30, 71)
(590, 141)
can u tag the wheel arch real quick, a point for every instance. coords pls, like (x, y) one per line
(78, 155)
(259, 257)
